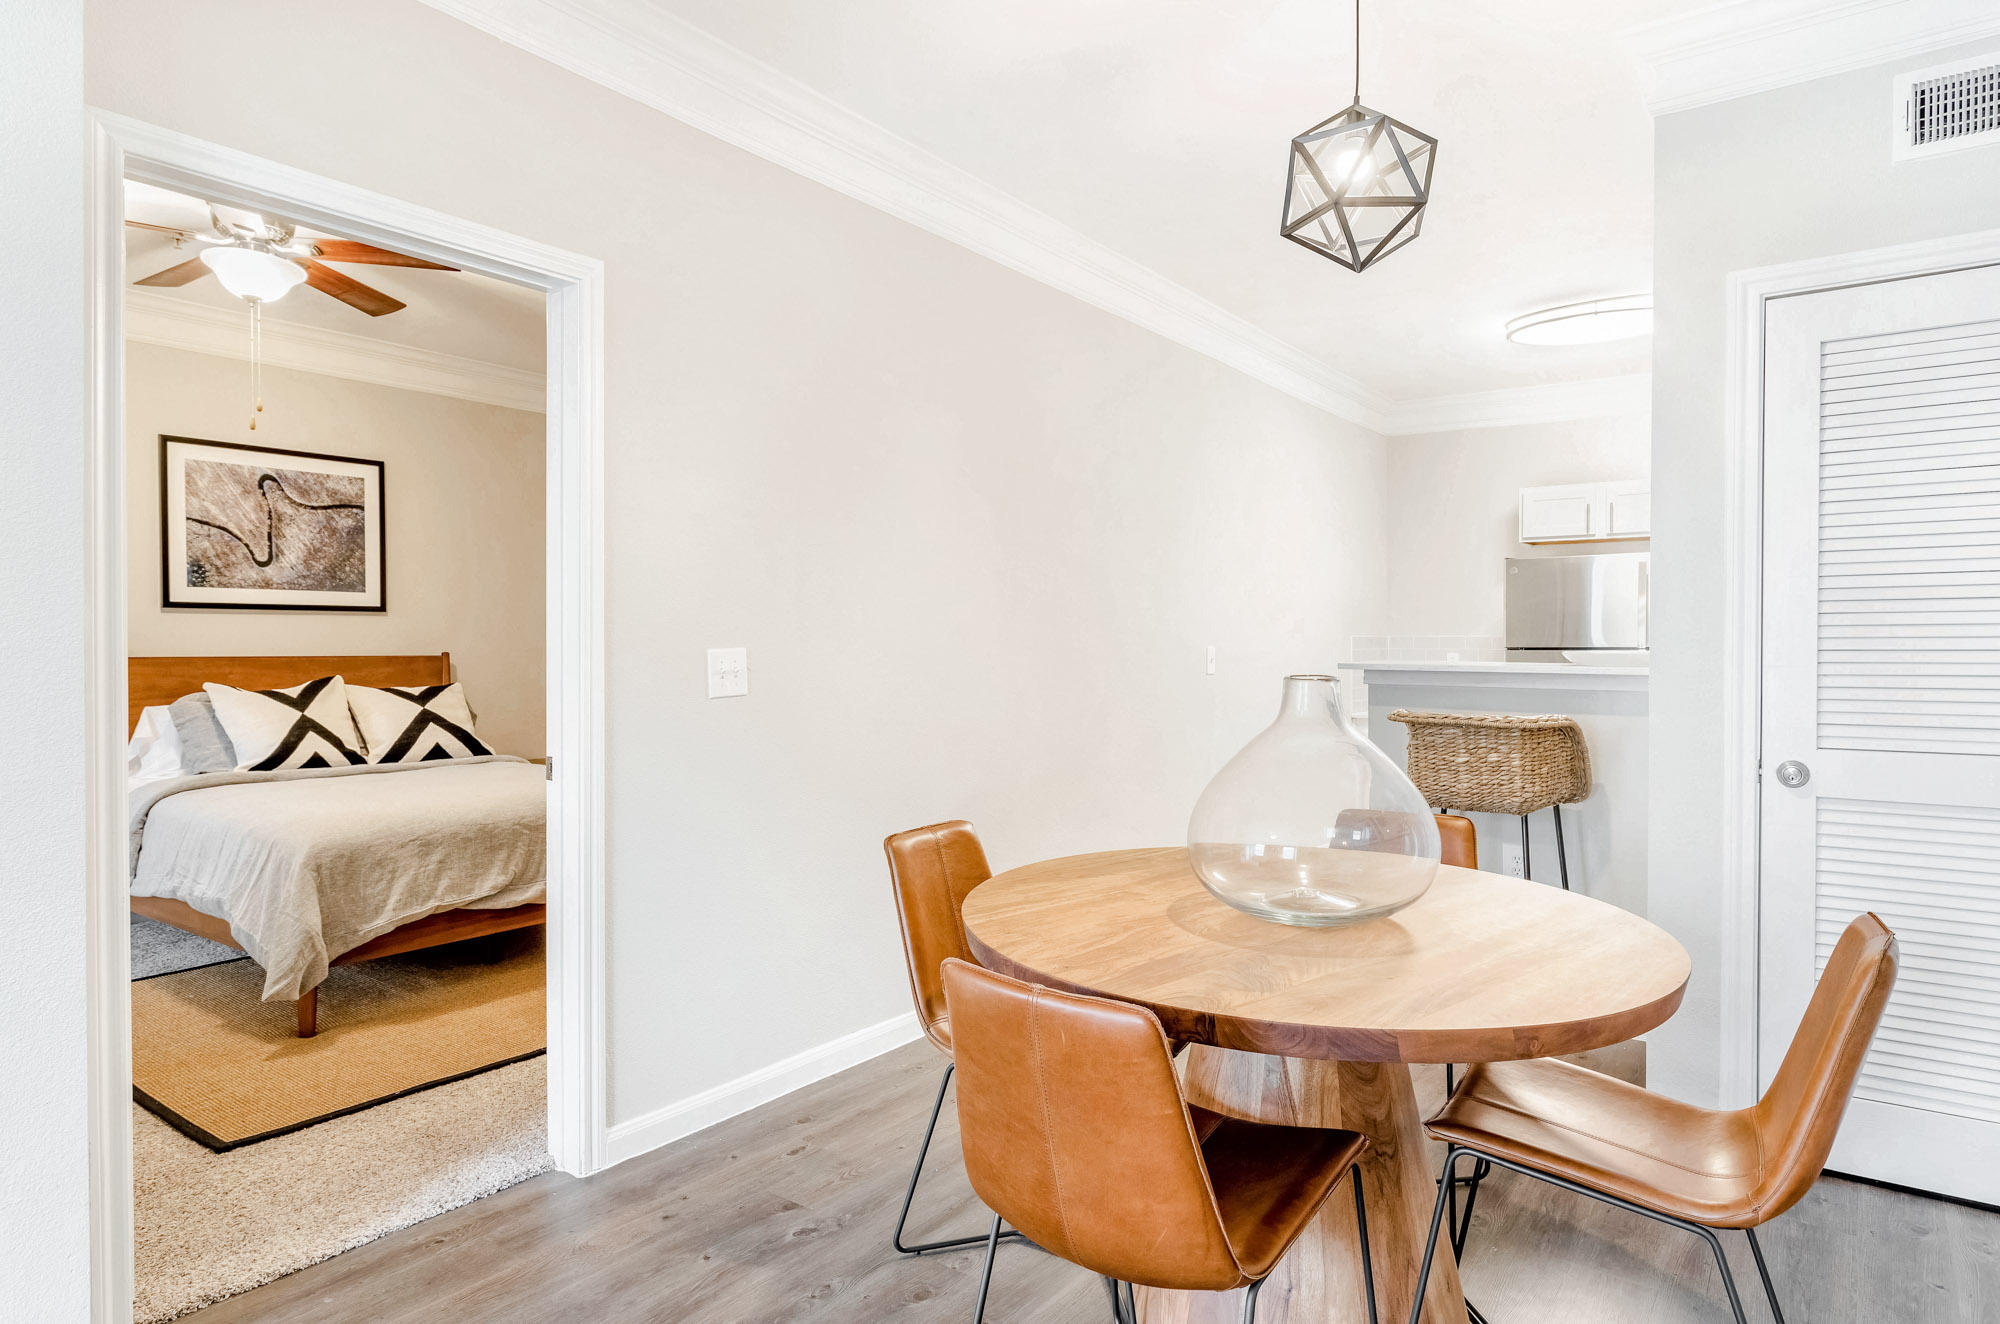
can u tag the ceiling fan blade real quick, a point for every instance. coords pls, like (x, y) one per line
(347, 250)
(348, 290)
(192, 269)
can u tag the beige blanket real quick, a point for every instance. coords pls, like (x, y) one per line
(306, 865)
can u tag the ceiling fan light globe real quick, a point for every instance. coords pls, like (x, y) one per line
(253, 274)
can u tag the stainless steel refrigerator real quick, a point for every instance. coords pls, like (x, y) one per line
(1578, 609)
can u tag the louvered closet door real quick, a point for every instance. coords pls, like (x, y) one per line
(1882, 677)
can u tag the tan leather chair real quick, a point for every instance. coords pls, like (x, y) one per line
(1694, 1168)
(1460, 842)
(932, 869)
(1075, 1132)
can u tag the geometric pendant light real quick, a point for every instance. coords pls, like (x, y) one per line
(1359, 182)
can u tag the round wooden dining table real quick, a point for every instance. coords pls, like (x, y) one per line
(1318, 1026)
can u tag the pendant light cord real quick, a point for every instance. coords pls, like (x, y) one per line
(1357, 52)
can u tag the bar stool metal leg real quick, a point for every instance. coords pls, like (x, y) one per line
(1527, 854)
(1562, 856)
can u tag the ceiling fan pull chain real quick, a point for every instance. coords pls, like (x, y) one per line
(256, 360)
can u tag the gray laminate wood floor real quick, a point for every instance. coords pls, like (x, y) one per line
(783, 1214)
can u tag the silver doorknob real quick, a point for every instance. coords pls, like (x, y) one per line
(1793, 773)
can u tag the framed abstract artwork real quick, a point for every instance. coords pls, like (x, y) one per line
(269, 530)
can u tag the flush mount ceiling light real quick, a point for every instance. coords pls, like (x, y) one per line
(252, 271)
(1585, 323)
(1359, 182)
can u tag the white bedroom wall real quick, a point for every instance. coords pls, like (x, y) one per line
(975, 534)
(1797, 173)
(44, 1160)
(464, 491)
(1454, 507)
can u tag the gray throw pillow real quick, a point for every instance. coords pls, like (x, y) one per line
(205, 745)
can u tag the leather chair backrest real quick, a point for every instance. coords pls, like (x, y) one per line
(1390, 830)
(1460, 841)
(1074, 1131)
(933, 868)
(1800, 1114)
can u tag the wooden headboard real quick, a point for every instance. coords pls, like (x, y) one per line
(151, 681)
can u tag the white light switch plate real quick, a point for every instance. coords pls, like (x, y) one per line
(728, 672)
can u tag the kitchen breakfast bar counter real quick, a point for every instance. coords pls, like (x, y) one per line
(1606, 834)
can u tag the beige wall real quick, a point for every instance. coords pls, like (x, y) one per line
(1798, 173)
(1454, 512)
(463, 488)
(974, 533)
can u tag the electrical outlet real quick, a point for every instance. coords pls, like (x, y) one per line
(728, 672)
(1510, 859)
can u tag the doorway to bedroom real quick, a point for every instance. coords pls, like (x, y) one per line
(337, 782)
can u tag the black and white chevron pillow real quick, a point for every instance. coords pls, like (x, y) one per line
(306, 726)
(415, 725)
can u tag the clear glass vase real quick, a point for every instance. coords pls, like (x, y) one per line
(1310, 823)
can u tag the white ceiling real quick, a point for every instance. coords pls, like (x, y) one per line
(457, 313)
(1159, 128)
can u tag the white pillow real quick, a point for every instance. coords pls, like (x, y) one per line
(306, 726)
(154, 752)
(416, 724)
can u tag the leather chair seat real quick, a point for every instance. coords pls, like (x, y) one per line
(1693, 1163)
(939, 1033)
(1269, 1180)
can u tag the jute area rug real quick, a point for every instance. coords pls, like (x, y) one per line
(209, 1224)
(227, 1069)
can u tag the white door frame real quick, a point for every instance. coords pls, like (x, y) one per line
(122, 147)
(1748, 293)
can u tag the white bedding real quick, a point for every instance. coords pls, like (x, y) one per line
(307, 864)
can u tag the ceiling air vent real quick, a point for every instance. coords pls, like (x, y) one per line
(1949, 107)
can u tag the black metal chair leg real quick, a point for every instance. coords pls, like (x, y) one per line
(1527, 854)
(1367, 1260)
(1131, 1305)
(1445, 1184)
(1117, 1303)
(1764, 1272)
(1450, 1079)
(910, 1193)
(1250, 1302)
(1728, 1278)
(1463, 1225)
(1447, 1180)
(986, 1274)
(1562, 855)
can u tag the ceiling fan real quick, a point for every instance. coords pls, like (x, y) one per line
(258, 260)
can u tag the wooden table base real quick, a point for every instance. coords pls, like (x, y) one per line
(1319, 1281)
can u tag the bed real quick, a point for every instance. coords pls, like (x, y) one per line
(255, 807)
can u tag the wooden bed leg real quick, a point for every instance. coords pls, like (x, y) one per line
(308, 1007)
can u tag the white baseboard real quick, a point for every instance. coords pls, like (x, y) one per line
(665, 1125)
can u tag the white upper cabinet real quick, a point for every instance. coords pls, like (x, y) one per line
(1587, 512)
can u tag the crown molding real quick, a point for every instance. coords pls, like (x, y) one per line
(160, 319)
(1752, 46)
(661, 61)
(1597, 397)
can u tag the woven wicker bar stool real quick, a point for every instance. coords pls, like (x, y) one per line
(1490, 763)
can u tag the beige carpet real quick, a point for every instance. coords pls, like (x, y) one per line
(228, 1068)
(211, 1225)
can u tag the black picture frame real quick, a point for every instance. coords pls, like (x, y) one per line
(173, 535)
